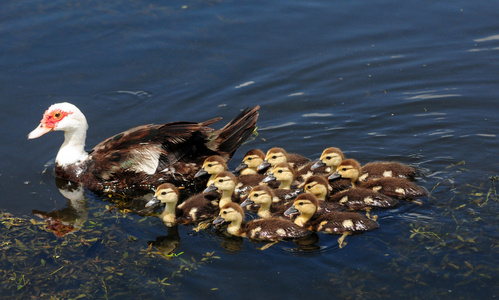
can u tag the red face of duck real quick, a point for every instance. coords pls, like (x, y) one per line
(51, 119)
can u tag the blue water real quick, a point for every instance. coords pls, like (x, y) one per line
(414, 82)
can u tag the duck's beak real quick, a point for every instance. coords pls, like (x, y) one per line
(39, 131)
(318, 164)
(269, 178)
(210, 188)
(263, 166)
(334, 176)
(200, 173)
(154, 201)
(218, 221)
(247, 202)
(241, 166)
(291, 211)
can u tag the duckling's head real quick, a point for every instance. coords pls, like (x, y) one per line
(330, 157)
(283, 172)
(224, 181)
(252, 159)
(273, 157)
(260, 194)
(304, 204)
(165, 193)
(318, 186)
(229, 213)
(212, 165)
(349, 168)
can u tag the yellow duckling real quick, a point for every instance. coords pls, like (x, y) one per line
(248, 173)
(269, 229)
(225, 184)
(279, 155)
(352, 199)
(267, 204)
(168, 195)
(212, 165)
(285, 175)
(400, 188)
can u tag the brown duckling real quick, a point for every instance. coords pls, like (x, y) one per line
(269, 229)
(251, 160)
(399, 188)
(225, 184)
(168, 195)
(352, 199)
(315, 219)
(196, 208)
(332, 157)
(279, 155)
(213, 165)
(249, 176)
(263, 200)
(285, 175)
(327, 164)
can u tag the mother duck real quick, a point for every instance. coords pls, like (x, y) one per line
(143, 157)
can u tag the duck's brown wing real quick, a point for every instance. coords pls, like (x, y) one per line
(150, 148)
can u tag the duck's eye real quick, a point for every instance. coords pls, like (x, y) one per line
(210, 165)
(250, 158)
(220, 180)
(309, 187)
(224, 212)
(279, 171)
(256, 195)
(300, 203)
(328, 157)
(57, 115)
(344, 169)
(274, 157)
(163, 193)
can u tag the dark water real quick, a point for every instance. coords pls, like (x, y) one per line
(383, 80)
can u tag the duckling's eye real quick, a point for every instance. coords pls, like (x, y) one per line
(163, 193)
(256, 195)
(300, 203)
(210, 165)
(328, 157)
(224, 212)
(344, 169)
(250, 158)
(274, 157)
(279, 171)
(309, 187)
(220, 180)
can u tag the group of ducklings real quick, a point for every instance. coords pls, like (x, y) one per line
(291, 195)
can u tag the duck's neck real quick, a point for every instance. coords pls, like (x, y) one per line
(248, 171)
(264, 210)
(168, 215)
(226, 197)
(286, 185)
(234, 227)
(72, 150)
(302, 219)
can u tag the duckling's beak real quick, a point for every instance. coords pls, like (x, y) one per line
(218, 221)
(153, 202)
(263, 166)
(241, 166)
(318, 164)
(200, 173)
(334, 176)
(291, 211)
(294, 194)
(210, 188)
(269, 178)
(247, 202)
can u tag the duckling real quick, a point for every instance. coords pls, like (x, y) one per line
(269, 229)
(327, 164)
(285, 175)
(251, 160)
(248, 174)
(263, 200)
(315, 219)
(168, 195)
(225, 184)
(352, 199)
(212, 165)
(332, 157)
(399, 188)
(196, 208)
(279, 155)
